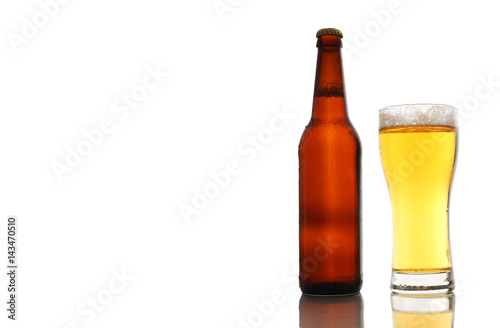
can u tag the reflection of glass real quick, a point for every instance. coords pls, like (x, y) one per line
(423, 311)
(331, 312)
(418, 151)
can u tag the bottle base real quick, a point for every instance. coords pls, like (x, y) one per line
(422, 283)
(330, 289)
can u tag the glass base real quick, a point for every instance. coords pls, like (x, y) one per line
(422, 283)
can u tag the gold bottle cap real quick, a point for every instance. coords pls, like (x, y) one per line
(329, 31)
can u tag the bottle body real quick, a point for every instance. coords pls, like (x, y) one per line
(329, 186)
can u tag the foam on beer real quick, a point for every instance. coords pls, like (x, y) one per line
(418, 114)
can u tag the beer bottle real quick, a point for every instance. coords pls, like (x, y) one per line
(329, 183)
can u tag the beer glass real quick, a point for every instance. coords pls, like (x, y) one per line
(418, 151)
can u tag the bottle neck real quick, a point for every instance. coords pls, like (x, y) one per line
(329, 102)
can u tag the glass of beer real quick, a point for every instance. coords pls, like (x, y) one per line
(418, 149)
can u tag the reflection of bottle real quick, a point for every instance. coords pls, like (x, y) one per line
(331, 312)
(434, 311)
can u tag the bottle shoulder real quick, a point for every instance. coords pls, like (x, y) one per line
(340, 131)
(341, 126)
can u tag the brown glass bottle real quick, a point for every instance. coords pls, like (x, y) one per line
(329, 183)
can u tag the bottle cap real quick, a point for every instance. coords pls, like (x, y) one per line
(329, 31)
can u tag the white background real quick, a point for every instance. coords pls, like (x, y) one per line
(118, 210)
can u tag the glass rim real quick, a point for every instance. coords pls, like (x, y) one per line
(423, 114)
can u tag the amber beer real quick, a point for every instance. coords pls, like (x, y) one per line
(418, 150)
(329, 183)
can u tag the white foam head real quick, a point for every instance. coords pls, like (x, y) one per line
(418, 114)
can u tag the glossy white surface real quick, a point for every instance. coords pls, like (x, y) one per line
(108, 245)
